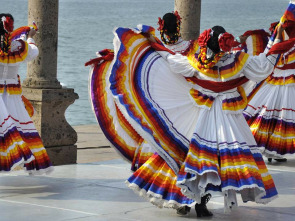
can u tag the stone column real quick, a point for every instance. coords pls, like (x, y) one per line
(42, 72)
(43, 89)
(190, 12)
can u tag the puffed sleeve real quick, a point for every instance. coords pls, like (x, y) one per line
(32, 50)
(260, 67)
(179, 64)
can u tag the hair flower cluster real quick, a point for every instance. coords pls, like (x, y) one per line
(204, 38)
(226, 41)
(7, 23)
(161, 24)
(177, 16)
(170, 38)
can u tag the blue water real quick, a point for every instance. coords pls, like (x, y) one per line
(85, 26)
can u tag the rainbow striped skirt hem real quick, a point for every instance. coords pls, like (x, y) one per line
(20, 143)
(271, 117)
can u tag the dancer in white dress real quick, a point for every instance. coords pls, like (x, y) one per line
(148, 166)
(20, 143)
(156, 171)
(270, 113)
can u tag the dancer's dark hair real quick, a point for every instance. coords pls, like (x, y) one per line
(4, 44)
(170, 24)
(213, 41)
(169, 27)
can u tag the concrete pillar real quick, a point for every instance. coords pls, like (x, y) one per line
(190, 12)
(43, 89)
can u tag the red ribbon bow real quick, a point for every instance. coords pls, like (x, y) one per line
(8, 24)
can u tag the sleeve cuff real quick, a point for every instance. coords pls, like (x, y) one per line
(164, 54)
(31, 41)
(272, 58)
(276, 41)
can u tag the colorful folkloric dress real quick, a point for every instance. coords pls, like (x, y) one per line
(20, 143)
(153, 178)
(115, 127)
(270, 113)
(188, 116)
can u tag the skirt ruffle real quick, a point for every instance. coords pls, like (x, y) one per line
(222, 161)
(156, 182)
(121, 135)
(20, 143)
(271, 117)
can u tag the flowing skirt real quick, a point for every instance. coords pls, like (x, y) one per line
(115, 127)
(156, 182)
(152, 178)
(271, 117)
(20, 143)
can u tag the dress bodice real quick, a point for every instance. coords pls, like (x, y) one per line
(231, 66)
(180, 46)
(21, 52)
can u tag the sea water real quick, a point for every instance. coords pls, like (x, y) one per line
(85, 26)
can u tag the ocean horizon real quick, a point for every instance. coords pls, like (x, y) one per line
(86, 27)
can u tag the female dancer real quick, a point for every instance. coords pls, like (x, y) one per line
(20, 144)
(155, 170)
(270, 114)
(190, 110)
(148, 179)
(169, 27)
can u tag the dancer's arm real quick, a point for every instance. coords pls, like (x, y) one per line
(261, 66)
(178, 63)
(32, 48)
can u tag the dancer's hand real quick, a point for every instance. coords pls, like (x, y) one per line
(243, 38)
(280, 30)
(150, 37)
(32, 32)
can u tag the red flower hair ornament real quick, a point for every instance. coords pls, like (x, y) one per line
(7, 23)
(161, 21)
(226, 41)
(177, 16)
(161, 24)
(204, 38)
